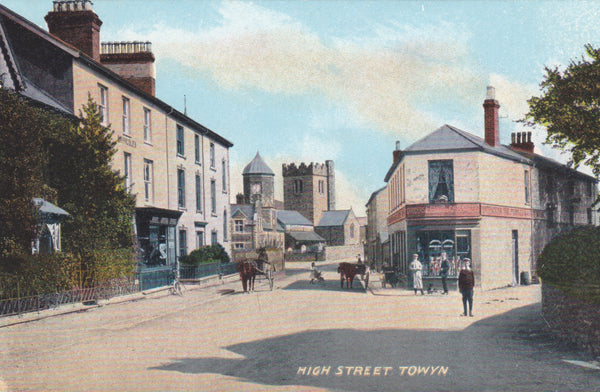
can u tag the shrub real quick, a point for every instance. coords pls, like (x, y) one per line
(571, 263)
(25, 275)
(206, 254)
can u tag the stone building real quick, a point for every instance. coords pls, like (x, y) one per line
(339, 228)
(299, 232)
(177, 168)
(309, 189)
(254, 217)
(377, 229)
(452, 192)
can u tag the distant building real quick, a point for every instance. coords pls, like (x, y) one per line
(309, 189)
(377, 228)
(254, 217)
(452, 192)
(339, 228)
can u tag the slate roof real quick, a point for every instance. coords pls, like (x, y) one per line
(245, 209)
(306, 236)
(374, 194)
(258, 166)
(292, 218)
(334, 218)
(45, 207)
(448, 138)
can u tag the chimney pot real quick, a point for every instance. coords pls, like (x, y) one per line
(491, 93)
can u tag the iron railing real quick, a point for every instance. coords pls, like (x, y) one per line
(203, 270)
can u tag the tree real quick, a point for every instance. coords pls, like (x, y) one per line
(95, 195)
(569, 109)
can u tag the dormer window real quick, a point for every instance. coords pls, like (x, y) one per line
(441, 181)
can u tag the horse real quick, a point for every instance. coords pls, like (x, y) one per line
(347, 272)
(247, 271)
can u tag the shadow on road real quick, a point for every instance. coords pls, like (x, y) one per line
(512, 351)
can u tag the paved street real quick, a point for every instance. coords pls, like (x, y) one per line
(299, 337)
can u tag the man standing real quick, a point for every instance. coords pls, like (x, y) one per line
(444, 272)
(416, 268)
(466, 282)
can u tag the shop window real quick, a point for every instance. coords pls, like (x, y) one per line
(441, 181)
(433, 246)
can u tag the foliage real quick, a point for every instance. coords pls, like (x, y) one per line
(569, 109)
(571, 262)
(25, 275)
(206, 254)
(22, 162)
(66, 161)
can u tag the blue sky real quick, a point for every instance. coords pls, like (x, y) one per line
(306, 81)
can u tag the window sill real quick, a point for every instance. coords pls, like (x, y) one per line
(214, 214)
(181, 208)
(148, 143)
(213, 168)
(199, 163)
(181, 156)
(127, 134)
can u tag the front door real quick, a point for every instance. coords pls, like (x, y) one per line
(515, 255)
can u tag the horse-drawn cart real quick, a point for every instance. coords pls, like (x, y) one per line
(261, 266)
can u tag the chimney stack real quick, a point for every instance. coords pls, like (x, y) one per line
(133, 61)
(492, 127)
(521, 141)
(397, 152)
(76, 23)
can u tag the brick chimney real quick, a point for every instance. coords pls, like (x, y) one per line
(521, 141)
(492, 127)
(397, 152)
(76, 23)
(133, 61)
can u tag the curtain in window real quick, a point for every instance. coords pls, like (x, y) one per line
(448, 174)
(434, 179)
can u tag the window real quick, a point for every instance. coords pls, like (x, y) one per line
(590, 189)
(321, 186)
(297, 186)
(352, 230)
(103, 106)
(127, 170)
(148, 181)
(432, 246)
(180, 146)
(181, 188)
(212, 155)
(213, 197)
(224, 226)
(200, 239)
(224, 174)
(198, 193)
(147, 125)
(213, 238)
(197, 148)
(239, 225)
(527, 190)
(126, 117)
(182, 242)
(239, 245)
(441, 181)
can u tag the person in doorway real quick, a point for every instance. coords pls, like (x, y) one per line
(444, 267)
(416, 268)
(466, 282)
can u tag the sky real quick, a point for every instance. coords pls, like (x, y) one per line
(309, 81)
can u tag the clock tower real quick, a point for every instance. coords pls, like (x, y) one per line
(259, 183)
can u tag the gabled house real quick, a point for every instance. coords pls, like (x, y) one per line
(457, 195)
(339, 228)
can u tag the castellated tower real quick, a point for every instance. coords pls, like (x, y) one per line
(309, 189)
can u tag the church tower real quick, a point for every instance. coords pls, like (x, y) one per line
(309, 189)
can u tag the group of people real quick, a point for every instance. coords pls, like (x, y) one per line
(466, 280)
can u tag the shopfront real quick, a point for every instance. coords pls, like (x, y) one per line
(156, 235)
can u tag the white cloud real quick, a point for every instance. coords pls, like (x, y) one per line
(385, 81)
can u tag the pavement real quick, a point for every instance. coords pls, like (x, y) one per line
(296, 338)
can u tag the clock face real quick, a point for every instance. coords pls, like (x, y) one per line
(255, 188)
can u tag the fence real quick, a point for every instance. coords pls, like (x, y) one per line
(50, 301)
(192, 272)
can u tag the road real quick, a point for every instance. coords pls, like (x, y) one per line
(298, 337)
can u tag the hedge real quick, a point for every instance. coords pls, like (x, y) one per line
(206, 254)
(571, 263)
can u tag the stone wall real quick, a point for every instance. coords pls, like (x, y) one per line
(306, 256)
(571, 319)
(343, 253)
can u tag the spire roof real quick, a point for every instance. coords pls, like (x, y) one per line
(257, 166)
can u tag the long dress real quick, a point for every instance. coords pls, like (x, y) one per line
(416, 267)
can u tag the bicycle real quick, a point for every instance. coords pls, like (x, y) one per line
(177, 287)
